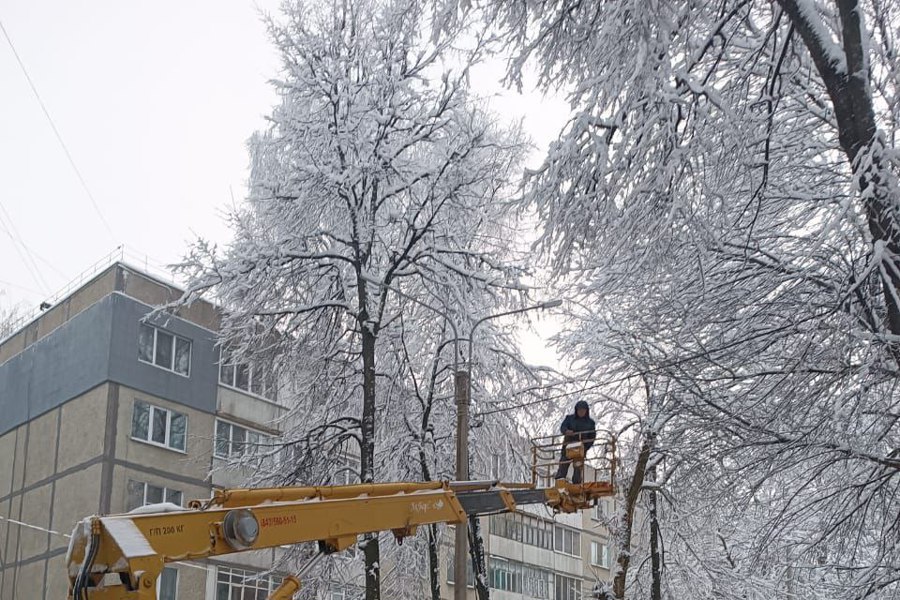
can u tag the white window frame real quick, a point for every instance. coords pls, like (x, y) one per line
(504, 525)
(342, 591)
(145, 485)
(601, 510)
(264, 439)
(149, 440)
(533, 573)
(500, 574)
(159, 582)
(508, 571)
(497, 466)
(175, 339)
(451, 570)
(272, 581)
(267, 394)
(576, 541)
(337, 592)
(577, 586)
(347, 470)
(287, 455)
(599, 554)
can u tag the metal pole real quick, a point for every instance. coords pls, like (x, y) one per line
(461, 391)
(462, 443)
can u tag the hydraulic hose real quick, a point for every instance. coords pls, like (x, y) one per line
(79, 590)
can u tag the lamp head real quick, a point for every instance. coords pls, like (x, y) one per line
(551, 303)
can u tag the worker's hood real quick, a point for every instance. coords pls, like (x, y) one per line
(582, 404)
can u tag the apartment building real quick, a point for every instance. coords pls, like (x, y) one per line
(102, 411)
(531, 554)
(534, 554)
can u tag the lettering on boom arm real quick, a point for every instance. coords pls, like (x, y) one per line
(424, 507)
(278, 521)
(166, 530)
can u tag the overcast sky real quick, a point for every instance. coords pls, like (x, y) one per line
(154, 101)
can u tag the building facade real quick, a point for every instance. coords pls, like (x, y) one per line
(531, 554)
(534, 554)
(102, 411)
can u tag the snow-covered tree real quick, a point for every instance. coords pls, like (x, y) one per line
(10, 316)
(724, 205)
(380, 178)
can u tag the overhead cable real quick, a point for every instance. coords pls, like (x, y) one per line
(56, 132)
(17, 241)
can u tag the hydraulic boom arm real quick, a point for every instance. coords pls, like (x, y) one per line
(120, 557)
(134, 547)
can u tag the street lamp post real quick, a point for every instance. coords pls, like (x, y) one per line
(461, 388)
(542, 306)
(462, 391)
(462, 442)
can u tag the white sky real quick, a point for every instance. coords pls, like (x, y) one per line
(154, 101)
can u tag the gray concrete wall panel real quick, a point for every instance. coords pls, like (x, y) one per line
(97, 345)
(197, 391)
(56, 368)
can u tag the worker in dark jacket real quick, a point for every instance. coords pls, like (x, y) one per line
(577, 427)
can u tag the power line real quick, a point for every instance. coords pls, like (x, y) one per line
(36, 527)
(24, 288)
(17, 241)
(67, 536)
(56, 132)
(50, 264)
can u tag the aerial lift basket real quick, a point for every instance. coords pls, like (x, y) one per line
(599, 462)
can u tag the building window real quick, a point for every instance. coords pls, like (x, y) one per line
(234, 441)
(523, 528)
(567, 541)
(498, 467)
(536, 583)
(141, 494)
(159, 426)
(337, 591)
(601, 510)
(600, 554)
(346, 470)
(505, 575)
(168, 584)
(238, 584)
(567, 588)
(255, 380)
(513, 576)
(289, 454)
(163, 349)
(451, 565)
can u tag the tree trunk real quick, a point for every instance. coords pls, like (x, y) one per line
(858, 134)
(434, 572)
(655, 556)
(631, 498)
(367, 454)
(476, 550)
